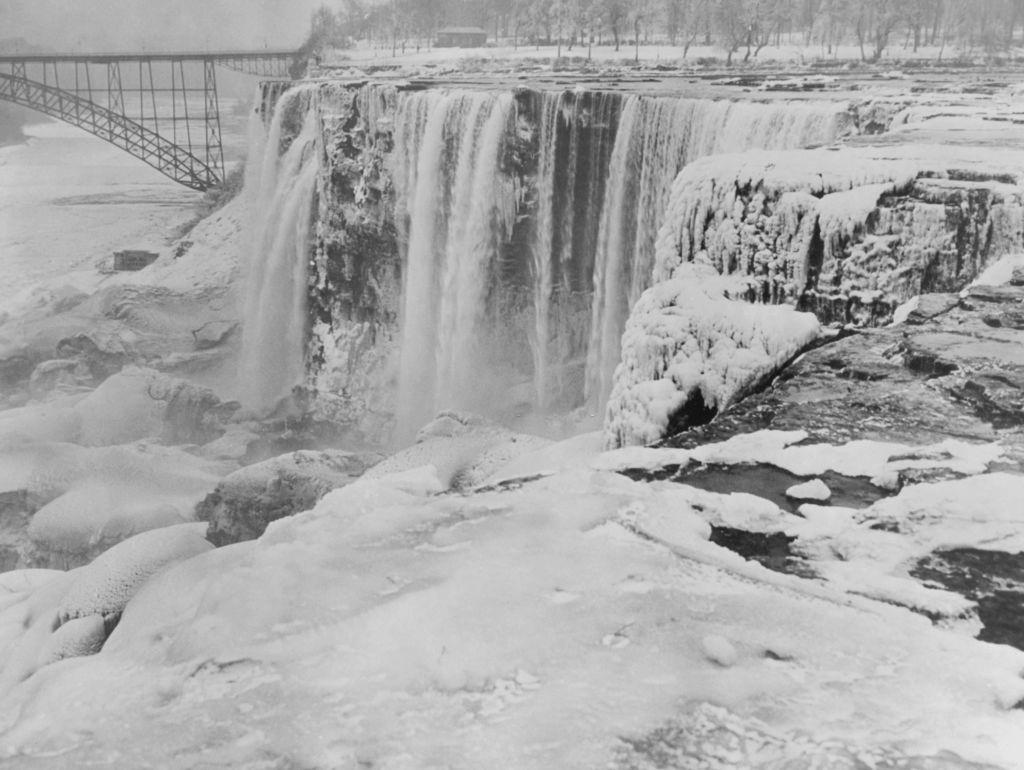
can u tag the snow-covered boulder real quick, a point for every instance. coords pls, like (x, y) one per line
(122, 409)
(105, 586)
(81, 636)
(138, 403)
(72, 502)
(464, 449)
(53, 469)
(68, 614)
(246, 501)
(55, 420)
(87, 519)
(689, 351)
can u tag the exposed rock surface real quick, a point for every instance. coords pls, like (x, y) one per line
(246, 501)
(213, 333)
(945, 374)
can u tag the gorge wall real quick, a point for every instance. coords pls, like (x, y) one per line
(481, 247)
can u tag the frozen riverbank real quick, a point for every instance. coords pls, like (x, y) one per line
(69, 200)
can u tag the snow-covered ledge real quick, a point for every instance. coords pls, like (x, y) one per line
(689, 351)
(849, 232)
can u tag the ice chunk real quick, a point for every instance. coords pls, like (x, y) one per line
(815, 489)
(719, 650)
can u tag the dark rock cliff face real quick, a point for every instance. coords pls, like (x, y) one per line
(355, 278)
(360, 240)
(935, 235)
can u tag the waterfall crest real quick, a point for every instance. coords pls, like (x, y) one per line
(280, 188)
(487, 244)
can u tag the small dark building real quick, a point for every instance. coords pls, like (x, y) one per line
(460, 37)
(133, 259)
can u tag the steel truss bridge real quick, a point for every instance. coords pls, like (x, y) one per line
(161, 108)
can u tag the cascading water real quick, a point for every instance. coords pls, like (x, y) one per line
(461, 210)
(656, 138)
(280, 190)
(523, 228)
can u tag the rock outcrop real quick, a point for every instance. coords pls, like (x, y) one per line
(948, 371)
(847, 233)
(246, 501)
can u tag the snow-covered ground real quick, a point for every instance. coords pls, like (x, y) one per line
(577, 621)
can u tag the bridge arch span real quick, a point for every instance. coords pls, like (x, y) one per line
(162, 108)
(149, 146)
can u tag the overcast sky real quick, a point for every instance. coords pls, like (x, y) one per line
(127, 25)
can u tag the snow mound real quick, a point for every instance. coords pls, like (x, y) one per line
(53, 469)
(88, 519)
(55, 420)
(464, 449)
(22, 580)
(106, 585)
(81, 636)
(122, 409)
(550, 620)
(689, 351)
(719, 650)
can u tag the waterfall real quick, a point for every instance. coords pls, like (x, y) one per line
(520, 226)
(280, 188)
(460, 210)
(541, 251)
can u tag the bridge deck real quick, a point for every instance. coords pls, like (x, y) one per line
(106, 58)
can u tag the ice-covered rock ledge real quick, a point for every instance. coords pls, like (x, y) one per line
(848, 233)
(689, 351)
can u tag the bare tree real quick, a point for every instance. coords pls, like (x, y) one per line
(683, 20)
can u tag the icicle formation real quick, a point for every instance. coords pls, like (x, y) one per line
(656, 138)
(281, 190)
(460, 209)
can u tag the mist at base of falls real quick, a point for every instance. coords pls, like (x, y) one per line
(525, 225)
